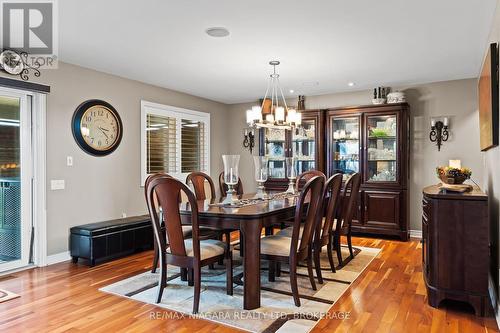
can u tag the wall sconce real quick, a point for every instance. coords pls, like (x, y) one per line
(439, 132)
(249, 139)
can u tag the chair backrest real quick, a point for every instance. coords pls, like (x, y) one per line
(350, 200)
(146, 183)
(331, 195)
(168, 191)
(310, 202)
(198, 181)
(223, 186)
(305, 176)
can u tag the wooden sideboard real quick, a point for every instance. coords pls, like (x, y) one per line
(455, 247)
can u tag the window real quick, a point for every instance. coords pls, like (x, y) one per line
(174, 140)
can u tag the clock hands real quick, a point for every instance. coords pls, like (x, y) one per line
(103, 131)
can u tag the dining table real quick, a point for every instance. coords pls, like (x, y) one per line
(249, 218)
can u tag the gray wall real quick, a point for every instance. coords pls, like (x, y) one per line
(455, 99)
(491, 174)
(101, 188)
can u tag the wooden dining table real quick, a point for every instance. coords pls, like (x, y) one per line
(249, 220)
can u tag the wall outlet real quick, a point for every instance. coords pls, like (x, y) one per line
(69, 161)
(124, 215)
(57, 184)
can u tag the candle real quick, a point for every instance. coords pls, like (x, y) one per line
(231, 175)
(433, 123)
(270, 118)
(280, 114)
(455, 164)
(445, 122)
(257, 113)
(298, 119)
(249, 117)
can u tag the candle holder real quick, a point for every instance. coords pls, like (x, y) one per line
(231, 176)
(291, 174)
(439, 132)
(261, 174)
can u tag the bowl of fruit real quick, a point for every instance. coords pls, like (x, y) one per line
(453, 176)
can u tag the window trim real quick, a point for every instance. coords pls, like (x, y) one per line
(179, 113)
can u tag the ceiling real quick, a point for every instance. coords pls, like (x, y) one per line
(322, 45)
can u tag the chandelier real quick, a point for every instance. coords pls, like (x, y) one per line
(279, 116)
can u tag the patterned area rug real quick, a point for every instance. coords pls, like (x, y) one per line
(7, 295)
(277, 312)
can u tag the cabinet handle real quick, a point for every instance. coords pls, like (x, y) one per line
(366, 208)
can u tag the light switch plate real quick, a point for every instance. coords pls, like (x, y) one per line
(69, 161)
(57, 184)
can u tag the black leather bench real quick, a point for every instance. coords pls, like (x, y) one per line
(108, 240)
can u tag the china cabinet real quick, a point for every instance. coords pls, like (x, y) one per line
(373, 140)
(305, 143)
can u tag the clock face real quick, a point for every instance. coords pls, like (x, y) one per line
(97, 127)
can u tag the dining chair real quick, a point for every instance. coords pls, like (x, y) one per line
(344, 218)
(305, 176)
(325, 226)
(186, 230)
(191, 254)
(291, 250)
(197, 179)
(223, 186)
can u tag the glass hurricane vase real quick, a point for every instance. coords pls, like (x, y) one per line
(291, 173)
(231, 177)
(261, 174)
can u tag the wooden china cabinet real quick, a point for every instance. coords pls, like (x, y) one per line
(374, 141)
(306, 143)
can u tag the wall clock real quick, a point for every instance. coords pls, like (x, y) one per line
(97, 127)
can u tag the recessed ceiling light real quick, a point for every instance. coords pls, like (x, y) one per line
(351, 84)
(217, 32)
(292, 91)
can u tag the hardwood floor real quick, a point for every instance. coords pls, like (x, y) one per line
(389, 296)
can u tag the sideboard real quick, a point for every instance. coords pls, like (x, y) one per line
(455, 247)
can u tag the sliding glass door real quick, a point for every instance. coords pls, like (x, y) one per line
(15, 179)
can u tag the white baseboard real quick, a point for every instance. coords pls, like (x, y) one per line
(416, 233)
(57, 258)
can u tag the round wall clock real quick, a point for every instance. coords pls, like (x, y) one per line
(97, 127)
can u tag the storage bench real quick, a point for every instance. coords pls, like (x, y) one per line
(112, 239)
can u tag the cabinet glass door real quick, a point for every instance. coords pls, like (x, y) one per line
(345, 145)
(381, 148)
(304, 146)
(275, 151)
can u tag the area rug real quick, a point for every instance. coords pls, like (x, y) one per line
(277, 312)
(7, 295)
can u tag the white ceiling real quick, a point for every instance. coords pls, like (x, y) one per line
(332, 42)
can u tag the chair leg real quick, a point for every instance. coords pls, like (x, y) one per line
(191, 281)
(163, 279)
(330, 256)
(184, 274)
(317, 264)
(349, 244)
(278, 269)
(155, 258)
(310, 270)
(227, 236)
(293, 283)
(272, 271)
(197, 287)
(229, 273)
(339, 250)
